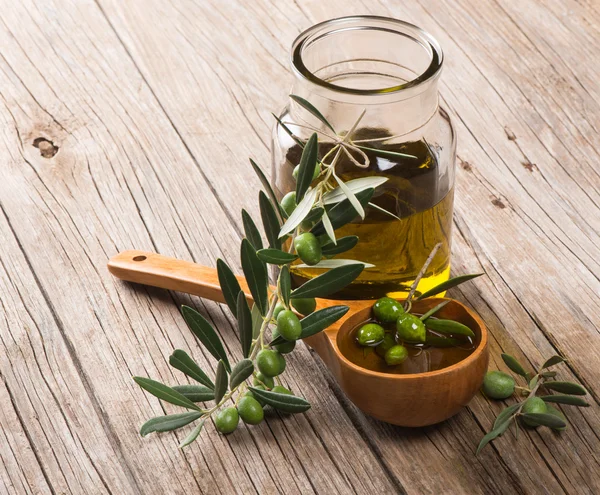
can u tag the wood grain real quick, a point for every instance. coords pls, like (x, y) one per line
(151, 110)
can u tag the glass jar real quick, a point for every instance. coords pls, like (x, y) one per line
(390, 70)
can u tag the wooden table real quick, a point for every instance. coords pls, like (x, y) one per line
(128, 124)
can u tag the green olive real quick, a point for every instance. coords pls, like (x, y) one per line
(227, 420)
(297, 170)
(250, 410)
(304, 305)
(288, 202)
(264, 380)
(387, 342)
(410, 328)
(534, 405)
(279, 307)
(282, 362)
(284, 348)
(498, 385)
(268, 363)
(308, 248)
(558, 413)
(387, 310)
(289, 325)
(281, 390)
(370, 334)
(250, 394)
(395, 355)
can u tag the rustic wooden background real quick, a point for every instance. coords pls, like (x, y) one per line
(128, 124)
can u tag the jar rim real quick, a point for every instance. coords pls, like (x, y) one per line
(372, 22)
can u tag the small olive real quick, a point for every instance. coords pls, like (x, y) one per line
(282, 362)
(534, 405)
(498, 385)
(268, 363)
(227, 420)
(410, 328)
(387, 310)
(284, 348)
(250, 394)
(396, 354)
(297, 170)
(289, 325)
(304, 305)
(250, 410)
(387, 342)
(288, 202)
(308, 248)
(370, 334)
(264, 380)
(279, 307)
(558, 413)
(281, 390)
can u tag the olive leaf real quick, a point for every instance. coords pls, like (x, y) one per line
(383, 210)
(314, 214)
(436, 341)
(256, 276)
(343, 244)
(308, 163)
(543, 419)
(549, 374)
(251, 231)
(196, 393)
(168, 423)
(329, 282)
(434, 310)
(312, 109)
(326, 264)
(163, 392)
(204, 331)
(316, 322)
(241, 372)
(386, 153)
(192, 436)
(343, 212)
(257, 321)
(449, 327)
(355, 186)
(269, 220)
(329, 230)
(276, 256)
(496, 432)
(220, 382)
(533, 382)
(566, 388)
(506, 414)
(300, 213)
(285, 285)
(244, 318)
(229, 285)
(565, 399)
(283, 402)
(351, 197)
(287, 129)
(514, 365)
(552, 361)
(267, 186)
(448, 284)
(184, 363)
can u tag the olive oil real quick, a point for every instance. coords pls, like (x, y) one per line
(419, 194)
(421, 357)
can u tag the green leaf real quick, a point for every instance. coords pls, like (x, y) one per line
(283, 402)
(316, 322)
(220, 382)
(168, 423)
(327, 264)
(533, 382)
(343, 244)
(287, 129)
(492, 435)
(543, 419)
(552, 361)
(269, 220)
(244, 318)
(276, 256)
(355, 186)
(308, 163)
(329, 282)
(565, 399)
(386, 153)
(329, 230)
(241, 372)
(204, 331)
(315, 214)
(229, 285)
(514, 365)
(196, 393)
(312, 109)
(285, 285)
(163, 392)
(192, 436)
(251, 231)
(343, 212)
(448, 284)
(448, 327)
(566, 388)
(256, 276)
(351, 197)
(300, 213)
(554, 411)
(549, 374)
(506, 414)
(434, 310)
(184, 363)
(266, 185)
(257, 321)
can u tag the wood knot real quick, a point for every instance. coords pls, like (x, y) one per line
(510, 134)
(497, 202)
(529, 166)
(47, 148)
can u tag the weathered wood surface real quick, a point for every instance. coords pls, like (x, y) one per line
(154, 107)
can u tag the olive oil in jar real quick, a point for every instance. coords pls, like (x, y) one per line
(418, 194)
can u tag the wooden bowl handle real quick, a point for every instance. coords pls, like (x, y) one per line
(170, 273)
